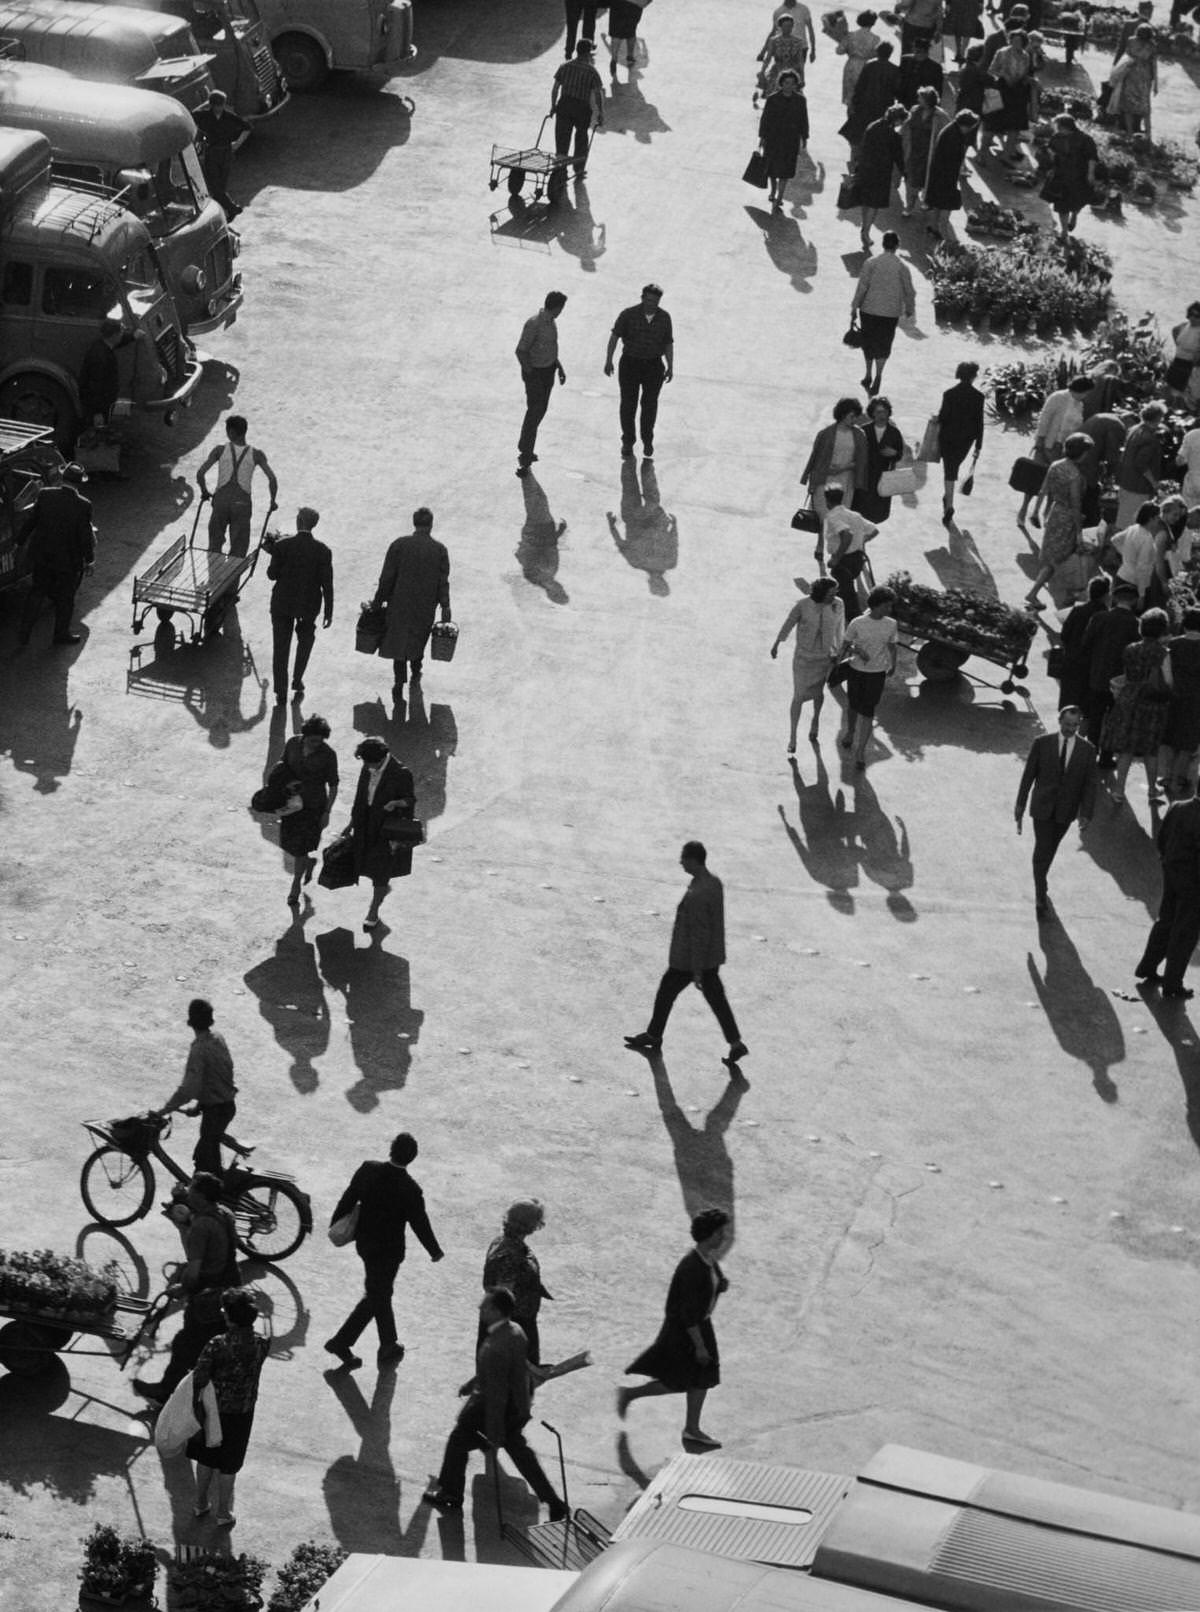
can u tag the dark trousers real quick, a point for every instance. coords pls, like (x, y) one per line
(846, 573)
(1099, 704)
(570, 116)
(400, 670)
(1175, 932)
(231, 508)
(639, 379)
(188, 1343)
(57, 587)
(379, 1281)
(466, 1436)
(575, 10)
(673, 983)
(1047, 837)
(539, 384)
(217, 166)
(215, 1120)
(282, 628)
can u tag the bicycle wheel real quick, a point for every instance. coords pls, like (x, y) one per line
(272, 1218)
(116, 1189)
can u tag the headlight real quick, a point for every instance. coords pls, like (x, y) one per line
(193, 279)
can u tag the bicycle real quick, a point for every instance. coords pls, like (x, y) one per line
(271, 1215)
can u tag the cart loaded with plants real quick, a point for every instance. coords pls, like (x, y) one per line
(48, 1300)
(954, 624)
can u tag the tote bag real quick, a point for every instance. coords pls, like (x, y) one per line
(929, 452)
(756, 171)
(177, 1421)
(342, 1230)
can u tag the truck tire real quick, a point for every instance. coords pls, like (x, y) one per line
(301, 61)
(37, 400)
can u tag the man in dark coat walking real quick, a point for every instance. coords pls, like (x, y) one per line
(388, 1201)
(62, 543)
(1173, 938)
(302, 571)
(697, 952)
(1103, 651)
(414, 583)
(1058, 785)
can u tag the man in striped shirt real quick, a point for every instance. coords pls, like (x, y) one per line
(576, 99)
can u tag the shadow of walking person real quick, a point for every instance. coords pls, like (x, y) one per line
(651, 540)
(39, 723)
(423, 741)
(702, 1160)
(292, 1000)
(883, 854)
(961, 565)
(382, 1022)
(825, 840)
(627, 111)
(1119, 845)
(786, 247)
(1179, 1033)
(1080, 1013)
(362, 1492)
(576, 230)
(537, 551)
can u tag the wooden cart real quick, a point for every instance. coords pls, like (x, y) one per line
(32, 1338)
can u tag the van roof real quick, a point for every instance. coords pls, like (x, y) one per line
(115, 124)
(147, 33)
(24, 157)
(62, 217)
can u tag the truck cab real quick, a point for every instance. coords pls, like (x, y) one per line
(312, 37)
(69, 260)
(27, 453)
(242, 66)
(138, 147)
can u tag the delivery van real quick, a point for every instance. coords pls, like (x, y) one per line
(242, 64)
(310, 38)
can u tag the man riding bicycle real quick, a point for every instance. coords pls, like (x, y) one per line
(208, 1083)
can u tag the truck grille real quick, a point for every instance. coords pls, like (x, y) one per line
(218, 266)
(167, 345)
(265, 72)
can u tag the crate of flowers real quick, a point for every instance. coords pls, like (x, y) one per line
(199, 1582)
(962, 620)
(116, 1571)
(53, 1286)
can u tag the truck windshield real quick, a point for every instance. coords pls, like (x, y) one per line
(179, 188)
(140, 277)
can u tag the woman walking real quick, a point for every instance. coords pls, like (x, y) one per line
(782, 135)
(920, 129)
(1177, 759)
(684, 1358)
(511, 1263)
(1012, 68)
(309, 762)
(1140, 470)
(869, 649)
(885, 451)
(623, 19)
(785, 51)
(973, 81)
(1063, 492)
(1138, 719)
(1184, 367)
(943, 180)
(231, 1363)
(385, 793)
(880, 157)
(883, 296)
(1134, 82)
(839, 454)
(963, 23)
(960, 428)
(858, 47)
(819, 622)
(1073, 159)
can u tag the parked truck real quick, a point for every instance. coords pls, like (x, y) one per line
(311, 38)
(242, 64)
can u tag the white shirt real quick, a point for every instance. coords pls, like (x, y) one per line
(1061, 414)
(1189, 453)
(839, 520)
(876, 637)
(1065, 743)
(1138, 549)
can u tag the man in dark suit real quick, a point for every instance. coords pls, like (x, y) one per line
(1176, 930)
(302, 571)
(1058, 785)
(1103, 649)
(697, 952)
(494, 1417)
(414, 583)
(62, 547)
(388, 1200)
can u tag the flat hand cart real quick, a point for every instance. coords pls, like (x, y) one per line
(33, 1338)
(954, 625)
(548, 169)
(199, 583)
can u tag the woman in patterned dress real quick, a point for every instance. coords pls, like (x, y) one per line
(1138, 720)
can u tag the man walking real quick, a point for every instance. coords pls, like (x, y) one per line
(302, 571)
(62, 547)
(1173, 938)
(537, 354)
(220, 130)
(647, 361)
(1059, 785)
(697, 952)
(496, 1412)
(414, 583)
(578, 11)
(1103, 655)
(388, 1201)
(577, 100)
(208, 1083)
(235, 462)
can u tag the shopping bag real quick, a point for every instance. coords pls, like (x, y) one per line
(848, 196)
(756, 171)
(929, 451)
(337, 865)
(177, 1421)
(342, 1230)
(853, 336)
(443, 640)
(1027, 475)
(368, 634)
(895, 483)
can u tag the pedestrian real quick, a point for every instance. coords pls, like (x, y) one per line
(647, 363)
(684, 1358)
(1073, 677)
(920, 129)
(819, 622)
(839, 454)
(920, 23)
(388, 1202)
(1107, 433)
(537, 354)
(100, 375)
(960, 429)
(858, 47)
(578, 11)
(1137, 546)
(1188, 460)
(1061, 417)
(798, 14)
(1185, 357)
(231, 1365)
(1133, 85)
(869, 650)
(1058, 785)
(973, 81)
(1063, 491)
(385, 793)
(1181, 738)
(413, 584)
(498, 1407)
(1138, 719)
(883, 296)
(62, 550)
(1141, 465)
(512, 1264)
(918, 71)
(577, 103)
(1174, 933)
(232, 506)
(1069, 186)
(963, 24)
(1175, 542)
(1013, 68)
(846, 534)
(1104, 648)
(696, 955)
(310, 763)
(782, 135)
(624, 17)
(208, 1083)
(302, 571)
(220, 130)
(785, 51)
(874, 93)
(209, 1268)
(880, 158)
(885, 451)
(943, 178)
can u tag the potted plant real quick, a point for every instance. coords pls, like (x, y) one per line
(218, 1584)
(140, 1561)
(103, 1576)
(303, 1574)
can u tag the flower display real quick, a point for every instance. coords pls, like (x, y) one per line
(53, 1284)
(962, 619)
(1035, 278)
(218, 1584)
(115, 1568)
(303, 1574)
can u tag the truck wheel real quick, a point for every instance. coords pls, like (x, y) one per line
(301, 61)
(37, 400)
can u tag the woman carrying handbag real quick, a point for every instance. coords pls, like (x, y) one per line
(385, 791)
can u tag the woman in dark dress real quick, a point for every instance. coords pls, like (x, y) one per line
(960, 428)
(683, 1359)
(885, 449)
(783, 134)
(623, 19)
(1073, 159)
(1138, 719)
(943, 195)
(310, 763)
(880, 159)
(1181, 737)
(972, 82)
(385, 791)
(873, 94)
(231, 1363)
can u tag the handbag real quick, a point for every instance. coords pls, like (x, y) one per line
(337, 865)
(177, 1421)
(993, 101)
(756, 170)
(1027, 475)
(967, 487)
(854, 336)
(897, 481)
(1179, 373)
(806, 519)
(368, 634)
(838, 673)
(403, 830)
(848, 196)
(273, 796)
(1056, 661)
(342, 1230)
(930, 450)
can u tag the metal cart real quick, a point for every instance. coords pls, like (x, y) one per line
(201, 584)
(548, 169)
(33, 1338)
(941, 657)
(570, 1544)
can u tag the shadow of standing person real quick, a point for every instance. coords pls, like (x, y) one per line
(423, 742)
(1080, 1013)
(1179, 1033)
(362, 1492)
(537, 551)
(882, 854)
(39, 723)
(702, 1160)
(651, 540)
(383, 1024)
(828, 857)
(292, 1000)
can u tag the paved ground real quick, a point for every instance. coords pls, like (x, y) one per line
(964, 1175)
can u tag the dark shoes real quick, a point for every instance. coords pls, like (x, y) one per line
(522, 471)
(1148, 976)
(647, 453)
(1181, 993)
(68, 638)
(739, 1049)
(627, 450)
(441, 1501)
(346, 1357)
(297, 689)
(643, 1043)
(390, 1355)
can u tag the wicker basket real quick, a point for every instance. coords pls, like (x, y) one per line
(443, 641)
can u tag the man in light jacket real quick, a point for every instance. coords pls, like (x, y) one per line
(697, 952)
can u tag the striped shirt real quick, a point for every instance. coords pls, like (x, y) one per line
(578, 81)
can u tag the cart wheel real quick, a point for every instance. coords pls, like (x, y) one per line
(1021, 670)
(556, 185)
(939, 663)
(28, 1349)
(516, 179)
(1007, 686)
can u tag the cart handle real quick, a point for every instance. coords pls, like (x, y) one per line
(200, 503)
